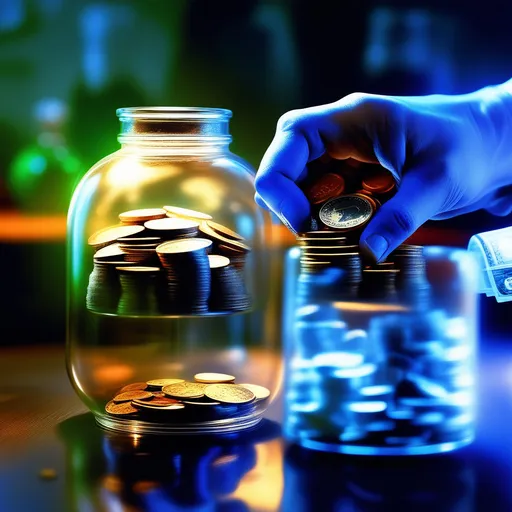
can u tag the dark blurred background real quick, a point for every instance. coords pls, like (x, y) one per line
(65, 66)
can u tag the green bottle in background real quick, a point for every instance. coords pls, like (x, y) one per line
(42, 176)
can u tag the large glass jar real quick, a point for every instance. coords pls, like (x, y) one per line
(170, 272)
(381, 361)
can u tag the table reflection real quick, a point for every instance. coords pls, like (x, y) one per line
(112, 472)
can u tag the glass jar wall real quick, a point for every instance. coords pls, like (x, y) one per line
(385, 369)
(169, 277)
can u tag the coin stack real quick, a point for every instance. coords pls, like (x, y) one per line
(145, 240)
(210, 397)
(103, 291)
(187, 267)
(411, 282)
(227, 290)
(379, 283)
(139, 290)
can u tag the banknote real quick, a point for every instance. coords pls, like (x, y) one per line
(493, 250)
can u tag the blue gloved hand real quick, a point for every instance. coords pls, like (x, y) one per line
(449, 155)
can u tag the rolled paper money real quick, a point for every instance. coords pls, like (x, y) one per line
(493, 250)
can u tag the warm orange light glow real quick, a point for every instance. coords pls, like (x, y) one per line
(16, 227)
(363, 307)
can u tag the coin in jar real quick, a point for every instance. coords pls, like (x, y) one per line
(328, 186)
(260, 392)
(110, 234)
(122, 409)
(150, 407)
(128, 396)
(346, 212)
(160, 383)
(224, 230)
(185, 390)
(186, 245)
(136, 386)
(229, 393)
(214, 378)
(186, 213)
(155, 402)
(142, 215)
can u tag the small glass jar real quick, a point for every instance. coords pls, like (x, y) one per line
(385, 369)
(179, 289)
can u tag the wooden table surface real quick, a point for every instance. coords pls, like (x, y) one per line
(43, 425)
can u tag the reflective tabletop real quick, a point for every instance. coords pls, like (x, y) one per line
(54, 458)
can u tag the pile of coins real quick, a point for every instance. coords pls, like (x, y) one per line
(210, 397)
(344, 197)
(170, 261)
(332, 267)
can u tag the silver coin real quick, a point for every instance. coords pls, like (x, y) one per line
(346, 212)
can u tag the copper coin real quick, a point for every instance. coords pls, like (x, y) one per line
(143, 215)
(235, 245)
(128, 396)
(149, 407)
(185, 390)
(229, 393)
(122, 409)
(213, 378)
(112, 233)
(225, 231)
(328, 186)
(136, 386)
(155, 402)
(176, 211)
(378, 181)
(159, 383)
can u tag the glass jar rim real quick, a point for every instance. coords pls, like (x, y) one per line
(171, 113)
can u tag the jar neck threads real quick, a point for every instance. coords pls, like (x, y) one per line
(170, 126)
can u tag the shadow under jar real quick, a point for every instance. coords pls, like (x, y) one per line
(170, 303)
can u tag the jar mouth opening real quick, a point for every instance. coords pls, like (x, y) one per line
(173, 113)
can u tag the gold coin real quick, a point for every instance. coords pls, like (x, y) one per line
(217, 261)
(155, 402)
(159, 383)
(139, 269)
(128, 396)
(185, 390)
(228, 242)
(122, 409)
(213, 378)
(142, 215)
(112, 233)
(171, 407)
(186, 213)
(229, 393)
(172, 224)
(136, 386)
(260, 392)
(112, 251)
(225, 231)
(346, 212)
(184, 245)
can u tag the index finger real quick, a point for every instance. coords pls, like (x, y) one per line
(281, 166)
